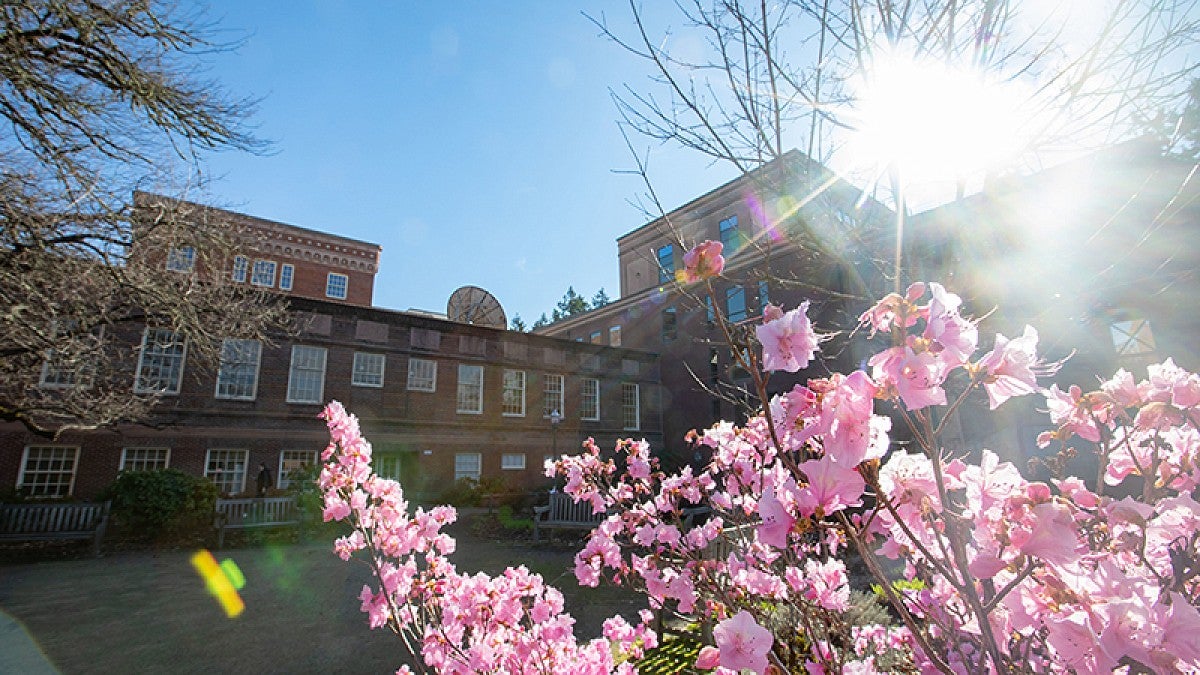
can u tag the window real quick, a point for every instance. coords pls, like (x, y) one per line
(240, 264)
(160, 366)
(467, 465)
(285, 276)
(594, 338)
(735, 304)
(670, 324)
(59, 372)
(237, 377)
(1132, 338)
(614, 336)
(306, 377)
(48, 471)
(470, 389)
(227, 470)
(589, 399)
(731, 236)
(336, 285)
(764, 294)
(293, 460)
(552, 389)
(368, 370)
(264, 273)
(144, 459)
(710, 313)
(512, 461)
(514, 394)
(631, 407)
(181, 259)
(666, 264)
(422, 375)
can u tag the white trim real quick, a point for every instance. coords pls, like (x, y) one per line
(329, 286)
(254, 383)
(582, 405)
(476, 474)
(506, 465)
(254, 277)
(560, 401)
(432, 380)
(287, 272)
(125, 455)
(137, 379)
(241, 266)
(245, 467)
(637, 406)
(320, 393)
(281, 475)
(504, 392)
(458, 404)
(74, 469)
(354, 370)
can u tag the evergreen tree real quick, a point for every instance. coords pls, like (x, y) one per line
(542, 321)
(600, 299)
(518, 324)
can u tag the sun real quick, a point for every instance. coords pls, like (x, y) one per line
(930, 122)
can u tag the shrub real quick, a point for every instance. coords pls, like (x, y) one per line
(158, 505)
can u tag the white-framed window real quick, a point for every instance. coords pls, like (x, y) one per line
(512, 461)
(237, 376)
(594, 337)
(181, 259)
(306, 377)
(336, 286)
(552, 399)
(513, 402)
(614, 336)
(631, 406)
(388, 465)
(467, 465)
(286, 273)
(731, 236)
(290, 460)
(589, 399)
(470, 389)
(48, 471)
(160, 364)
(263, 274)
(422, 375)
(1132, 338)
(368, 370)
(59, 372)
(735, 304)
(665, 256)
(240, 267)
(227, 470)
(144, 459)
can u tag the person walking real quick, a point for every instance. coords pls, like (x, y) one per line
(264, 479)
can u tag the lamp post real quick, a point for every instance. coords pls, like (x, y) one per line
(555, 420)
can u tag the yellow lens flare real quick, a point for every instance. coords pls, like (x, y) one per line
(223, 581)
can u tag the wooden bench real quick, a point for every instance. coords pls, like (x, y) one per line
(254, 512)
(563, 513)
(36, 522)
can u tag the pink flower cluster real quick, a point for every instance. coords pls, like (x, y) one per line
(455, 622)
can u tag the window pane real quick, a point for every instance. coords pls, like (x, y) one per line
(240, 264)
(181, 259)
(735, 304)
(293, 460)
(589, 404)
(336, 285)
(227, 470)
(470, 389)
(631, 411)
(512, 461)
(730, 235)
(306, 379)
(670, 324)
(160, 368)
(514, 393)
(614, 336)
(48, 471)
(285, 276)
(264, 273)
(467, 465)
(368, 370)
(422, 375)
(237, 377)
(552, 388)
(666, 264)
(144, 459)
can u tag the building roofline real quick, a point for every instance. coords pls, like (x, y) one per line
(140, 194)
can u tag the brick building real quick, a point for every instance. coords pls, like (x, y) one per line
(792, 231)
(438, 399)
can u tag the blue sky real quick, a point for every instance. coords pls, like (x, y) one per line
(474, 141)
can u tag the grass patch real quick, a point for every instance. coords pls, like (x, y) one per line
(676, 655)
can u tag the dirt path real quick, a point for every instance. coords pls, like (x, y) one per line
(144, 613)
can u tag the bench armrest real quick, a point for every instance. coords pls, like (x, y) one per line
(541, 512)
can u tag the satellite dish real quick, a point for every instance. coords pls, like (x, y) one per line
(472, 304)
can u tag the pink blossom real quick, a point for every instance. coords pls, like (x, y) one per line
(955, 336)
(704, 261)
(743, 643)
(789, 342)
(918, 377)
(709, 658)
(831, 487)
(1012, 367)
(776, 520)
(887, 312)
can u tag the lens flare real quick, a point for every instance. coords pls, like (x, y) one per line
(223, 581)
